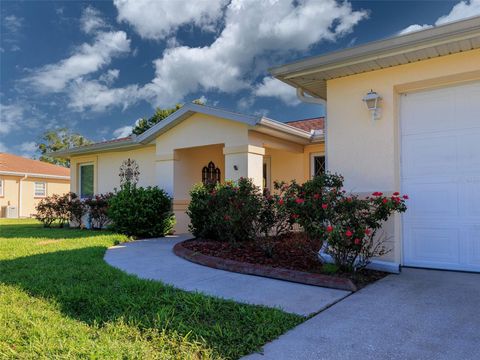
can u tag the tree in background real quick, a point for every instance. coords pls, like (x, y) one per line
(144, 124)
(59, 139)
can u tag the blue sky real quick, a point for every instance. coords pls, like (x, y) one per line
(96, 67)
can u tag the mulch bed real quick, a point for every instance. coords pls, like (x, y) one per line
(290, 253)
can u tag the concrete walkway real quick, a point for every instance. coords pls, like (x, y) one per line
(154, 259)
(419, 314)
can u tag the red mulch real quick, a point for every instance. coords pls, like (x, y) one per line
(292, 252)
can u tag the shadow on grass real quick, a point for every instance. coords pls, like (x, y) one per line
(89, 290)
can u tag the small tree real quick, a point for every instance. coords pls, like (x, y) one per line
(98, 210)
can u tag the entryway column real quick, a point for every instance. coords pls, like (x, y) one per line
(165, 172)
(244, 161)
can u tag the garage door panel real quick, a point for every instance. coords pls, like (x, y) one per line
(440, 170)
(438, 155)
(447, 249)
(432, 200)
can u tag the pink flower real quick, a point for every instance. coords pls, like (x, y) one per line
(324, 206)
(405, 197)
(357, 241)
(329, 228)
(226, 218)
(396, 193)
(349, 233)
(316, 196)
(299, 200)
(377, 193)
(385, 200)
(280, 202)
(368, 232)
(295, 216)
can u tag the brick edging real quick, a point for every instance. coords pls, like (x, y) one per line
(264, 270)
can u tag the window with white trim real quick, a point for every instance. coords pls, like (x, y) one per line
(40, 188)
(1, 187)
(85, 181)
(317, 164)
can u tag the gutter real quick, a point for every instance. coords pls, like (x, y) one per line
(292, 130)
(14, 173)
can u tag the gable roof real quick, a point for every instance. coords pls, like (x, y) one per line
(259, 123)
(312, 74)
(16, 165)
(317, 123)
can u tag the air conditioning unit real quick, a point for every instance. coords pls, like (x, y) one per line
(11, 212)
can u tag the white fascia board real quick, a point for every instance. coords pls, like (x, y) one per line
(93, 148)
(280, 126)
(16, 173)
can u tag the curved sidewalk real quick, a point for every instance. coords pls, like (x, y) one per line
(155, 260)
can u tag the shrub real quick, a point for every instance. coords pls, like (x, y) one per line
(46, 211)
(77, 209)
(98, 210)
(353, 225)
(141, 212)
(225, 212)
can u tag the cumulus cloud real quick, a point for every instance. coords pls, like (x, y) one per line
(253, 29)
(462, 10)
(27, 148)
(98, 97)
(154, 19)
(11, 32)
(271, 87)
(122, 131)
(11, 116)
(12, 23)
(91, 20)
(86, 59)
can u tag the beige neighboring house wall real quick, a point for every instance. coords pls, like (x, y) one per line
(18, 176)
(173, 153)
(368, 152)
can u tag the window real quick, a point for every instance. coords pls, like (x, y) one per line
(86, 181)
(317, 164)
(40, 189)
(210, 174)
(1, 187)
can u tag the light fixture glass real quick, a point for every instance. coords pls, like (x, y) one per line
(372, 100)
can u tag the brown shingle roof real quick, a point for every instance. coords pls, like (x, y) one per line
(317, 123)
(14, 163)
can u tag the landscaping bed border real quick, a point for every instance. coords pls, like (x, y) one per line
(296, 276)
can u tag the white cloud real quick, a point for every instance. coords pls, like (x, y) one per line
(98, 97)
(154, 19)
(252, 29)
(271, 87)
(27, 148)
(123, 131)
(10, 117)
(12, 23)
(110, 76)
(86, 59)
(91, 20)
(462, 10)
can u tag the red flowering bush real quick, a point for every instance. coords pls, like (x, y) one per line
(344, 225)
(59, 209)
(225, 212)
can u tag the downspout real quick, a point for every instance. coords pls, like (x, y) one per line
(318, 101)
(20, 193)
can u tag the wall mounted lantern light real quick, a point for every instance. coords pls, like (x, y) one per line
(372, 100)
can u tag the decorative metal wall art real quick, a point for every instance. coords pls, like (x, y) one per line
(129, 172)
(210, 174)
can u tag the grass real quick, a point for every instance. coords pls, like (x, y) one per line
(60, 300)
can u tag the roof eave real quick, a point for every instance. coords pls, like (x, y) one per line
(39, 175)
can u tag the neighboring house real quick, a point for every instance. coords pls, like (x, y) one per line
(200, 143)
(424, 140)
(24, 182)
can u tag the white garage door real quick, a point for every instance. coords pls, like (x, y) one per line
(441, 174)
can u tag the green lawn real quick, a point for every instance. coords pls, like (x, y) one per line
(59, 299)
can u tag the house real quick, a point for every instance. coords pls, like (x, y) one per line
(200, 143)
(420, 134)
(24, 182)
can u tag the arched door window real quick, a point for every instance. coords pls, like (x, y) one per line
(210, 174)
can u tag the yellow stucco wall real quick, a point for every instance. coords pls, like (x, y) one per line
(107, 168)
(367, 152)
(29, 200)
